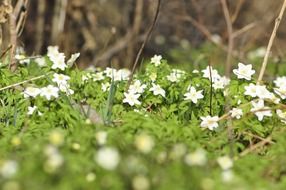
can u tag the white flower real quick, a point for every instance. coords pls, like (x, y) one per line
(97, 76)
(131, 99)
(108, 158)
(244, 71)
(31, 92)
(220, 82)
(195, 71)
(101, 137)
(209, 71)
(209, 122)
(259, 105)
(225, 162)
(156, 59)
(122, 74)
(109, 72)
(259, 52)
(57, 58)
(73, 58)
(31, 109)
(236, 113)
(178, 151)
(49, 92)
(53, 162)
(140, 183)
(105, 86)
(280, 81)
(66, 88)
(8, 168)
(282, 115)
(193, 94)
(41, 61)
(59, 61)
(136, 87)
(153, 77)
(60, 79)
(22, 59)
(144, 143)
(227, 175)
(197, 158)
(90, 177)
(281, 91)
(175, 75)
(157, 90)
(258, 91)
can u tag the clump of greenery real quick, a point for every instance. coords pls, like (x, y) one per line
(64, 128)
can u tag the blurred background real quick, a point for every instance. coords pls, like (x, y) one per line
(111, 31)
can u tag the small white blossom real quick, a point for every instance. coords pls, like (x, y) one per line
(57, 58)
(209, 73)
(60, 79)
(101, 137)
(244, 71)
(108, 158)
(31, 92)
(209, 122)
(131, 99)
(193, 94)
(197, 158)
(259, 105)
(236, 113)
(195, 71)
(156, 59)
(22, 59)
(105, 86)
(227, 175)
(144, 143)
(280, 81)
(31, 109)
(8, 169)
(137, 87)
(140, 183)
(73, 58)
(220, 82)
(258, 91)
(97, 76)
(66, 89)
(225, 162)
(175, 75)
(281, 91)
(49, 92)
(153, 77)
(90, 177)
(41, 61)
(282, 115)
(157, 90)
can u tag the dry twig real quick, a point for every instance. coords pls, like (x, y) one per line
(270, 43)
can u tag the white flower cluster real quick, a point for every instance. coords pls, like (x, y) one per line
(219, 82)
(54, 159)
(58, 58)
(175, 75)
(50, 91)
(134, 92)
(113, 74)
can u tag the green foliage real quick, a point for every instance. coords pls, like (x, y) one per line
(57, 146)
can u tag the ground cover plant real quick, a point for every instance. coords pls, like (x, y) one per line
(65, 128)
